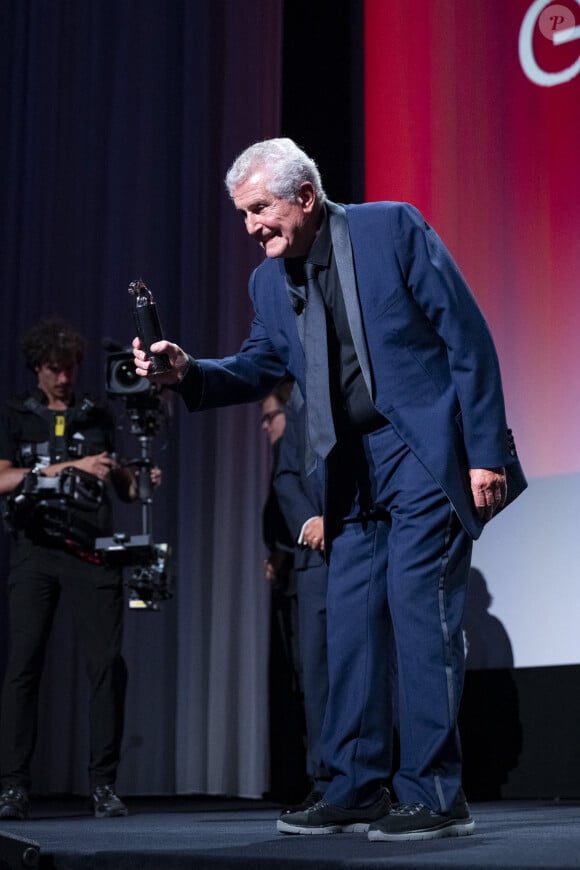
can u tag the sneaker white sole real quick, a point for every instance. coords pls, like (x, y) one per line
(355, 828)
(457, 829)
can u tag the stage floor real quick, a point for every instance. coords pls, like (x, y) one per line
(204, 833)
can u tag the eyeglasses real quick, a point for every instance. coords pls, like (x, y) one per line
(270, 416)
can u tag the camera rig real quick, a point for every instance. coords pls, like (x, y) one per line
(64, 508)
(147, 409)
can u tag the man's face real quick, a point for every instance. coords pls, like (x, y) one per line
(281, 228)
(273, 419)
(57, 382)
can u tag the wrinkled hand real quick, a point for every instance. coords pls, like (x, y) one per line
(178, 360)
(313, 535)
(489, 489)
(99, 464)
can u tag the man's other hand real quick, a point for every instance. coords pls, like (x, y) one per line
(489, 489)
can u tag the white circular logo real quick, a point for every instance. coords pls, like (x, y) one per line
(556, 23)
(554, 19)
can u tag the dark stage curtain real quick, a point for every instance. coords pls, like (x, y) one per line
(119, 120)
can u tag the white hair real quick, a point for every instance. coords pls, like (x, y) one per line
(286, 167)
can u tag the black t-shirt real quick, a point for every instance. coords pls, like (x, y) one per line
(31, 434)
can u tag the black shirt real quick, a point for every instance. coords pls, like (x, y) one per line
(351, 403)
(31, 434)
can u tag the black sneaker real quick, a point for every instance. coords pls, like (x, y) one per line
(418, 822)
(106, 804)
(14, 803)
(313, 797)
(324, 818)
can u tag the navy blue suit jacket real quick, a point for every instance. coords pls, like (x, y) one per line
(428, 352)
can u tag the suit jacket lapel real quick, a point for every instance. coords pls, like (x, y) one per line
(345, 265)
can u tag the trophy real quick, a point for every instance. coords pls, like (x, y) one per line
(148, 325)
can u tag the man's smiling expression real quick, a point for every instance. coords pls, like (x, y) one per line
(281, 228)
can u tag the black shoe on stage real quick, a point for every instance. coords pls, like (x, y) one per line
(313, 797)
(324, 818)
(106, 804)
(418, 822)
(14, 803)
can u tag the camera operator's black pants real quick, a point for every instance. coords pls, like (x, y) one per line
(39, 578)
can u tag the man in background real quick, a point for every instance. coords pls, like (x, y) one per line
(301, 498)
(288, 781)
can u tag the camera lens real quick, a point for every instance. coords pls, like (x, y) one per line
(126, 374)
(124, 379)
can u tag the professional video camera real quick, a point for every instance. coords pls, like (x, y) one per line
(148, 407)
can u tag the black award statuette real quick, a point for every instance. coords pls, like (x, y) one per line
(148, 325)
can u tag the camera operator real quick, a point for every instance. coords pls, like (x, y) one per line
(52, 435)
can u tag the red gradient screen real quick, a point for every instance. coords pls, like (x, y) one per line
(472, 113)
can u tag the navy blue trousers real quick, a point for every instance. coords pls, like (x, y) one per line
(396, 594)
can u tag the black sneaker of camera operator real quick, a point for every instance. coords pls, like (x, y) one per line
(14, 803)
(106, 803)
